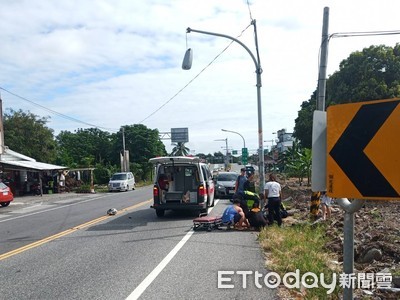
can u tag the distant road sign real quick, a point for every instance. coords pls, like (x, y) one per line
(179, 135)
(363, 148)
(245, 156)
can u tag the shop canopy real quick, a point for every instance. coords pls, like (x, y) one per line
(30, 165)
(16, 161)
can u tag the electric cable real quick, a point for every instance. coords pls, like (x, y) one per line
(55, 112)
(248, 6)
(141, 122)
(195, 77)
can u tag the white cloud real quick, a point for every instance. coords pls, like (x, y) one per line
(113, 63)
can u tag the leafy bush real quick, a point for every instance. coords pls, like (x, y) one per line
(102, 174)
(84, 188)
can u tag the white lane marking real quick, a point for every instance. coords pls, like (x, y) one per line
(34, 208)
(157, 270)
(153, 275)
(50, 209)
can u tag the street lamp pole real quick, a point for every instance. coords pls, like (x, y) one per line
(226, 157)
(244, 142)
(257, 64)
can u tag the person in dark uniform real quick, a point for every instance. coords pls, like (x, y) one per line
(256, 217)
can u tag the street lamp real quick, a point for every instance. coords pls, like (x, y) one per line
(272, 142)
(187, 63)
(226, 157)
(244, 142)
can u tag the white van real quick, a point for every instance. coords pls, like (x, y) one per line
(182, 183)
(123, 181)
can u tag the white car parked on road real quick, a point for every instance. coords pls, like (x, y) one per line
(123, 181)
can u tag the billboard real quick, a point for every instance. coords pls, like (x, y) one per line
(179, 135)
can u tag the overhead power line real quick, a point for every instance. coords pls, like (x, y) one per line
(195, 77)
(248, 6)
(154, 112)
(55, 112)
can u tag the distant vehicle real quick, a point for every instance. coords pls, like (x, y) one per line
(182, 183)
(123, 181)
(6, 196)
(225, 184)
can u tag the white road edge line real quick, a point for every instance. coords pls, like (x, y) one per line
(157, 270)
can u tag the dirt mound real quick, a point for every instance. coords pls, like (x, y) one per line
(376, 233)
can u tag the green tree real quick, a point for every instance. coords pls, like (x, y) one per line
(303, 123)
(27, 133)
(143, 143)
(370, 74)
(180, 150)
(218, 157)
(84, 147)
(202, 156)
(102, 173)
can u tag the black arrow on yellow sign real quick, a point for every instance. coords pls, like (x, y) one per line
(349, 154)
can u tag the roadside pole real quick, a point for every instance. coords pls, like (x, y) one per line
(320, 161)
(348, 244)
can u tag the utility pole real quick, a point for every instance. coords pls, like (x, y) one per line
(226, 156)
(227, 153)
(323, 62)
(125, 154)
(349, 207)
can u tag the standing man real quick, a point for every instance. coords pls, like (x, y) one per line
(273, 192)
(249, 195)
(240, 181)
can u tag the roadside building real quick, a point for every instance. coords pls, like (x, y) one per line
(285, 141)
(25, 175)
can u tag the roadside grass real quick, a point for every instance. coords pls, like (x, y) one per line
(300, 247)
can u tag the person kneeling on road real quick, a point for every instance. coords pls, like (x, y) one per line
(234, 215)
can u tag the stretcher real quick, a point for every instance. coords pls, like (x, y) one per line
(203, 221)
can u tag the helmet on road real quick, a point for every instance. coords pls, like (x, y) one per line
(112, 212)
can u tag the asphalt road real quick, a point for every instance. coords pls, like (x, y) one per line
(66, 247)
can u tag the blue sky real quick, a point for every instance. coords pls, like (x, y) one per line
(113, 63)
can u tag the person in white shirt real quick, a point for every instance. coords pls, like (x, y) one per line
(273, 194)
(326, 203)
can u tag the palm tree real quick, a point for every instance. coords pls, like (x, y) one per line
(180, 150)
